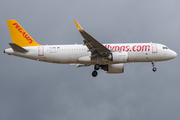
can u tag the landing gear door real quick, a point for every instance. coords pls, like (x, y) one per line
(154, 48)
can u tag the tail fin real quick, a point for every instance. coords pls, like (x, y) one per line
(19, 36)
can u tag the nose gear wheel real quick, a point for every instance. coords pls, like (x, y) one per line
(154, 68)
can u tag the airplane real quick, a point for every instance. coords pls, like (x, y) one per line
(108, 57)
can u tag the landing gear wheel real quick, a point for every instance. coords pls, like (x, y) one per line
(96, 66)
(154, 69)
(94, 73)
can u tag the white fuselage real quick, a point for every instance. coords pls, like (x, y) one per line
(79, 54)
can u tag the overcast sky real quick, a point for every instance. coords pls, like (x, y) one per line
(33, 90)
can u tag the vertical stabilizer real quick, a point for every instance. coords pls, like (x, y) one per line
(19, 36)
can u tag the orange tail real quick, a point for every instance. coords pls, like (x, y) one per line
(19, 36)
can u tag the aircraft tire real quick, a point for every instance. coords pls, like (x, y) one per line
(96, 66)
(94, 73)
(154, 69)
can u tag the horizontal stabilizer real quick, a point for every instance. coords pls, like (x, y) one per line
(17, 48)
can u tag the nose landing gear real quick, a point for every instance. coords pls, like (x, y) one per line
(154, 68)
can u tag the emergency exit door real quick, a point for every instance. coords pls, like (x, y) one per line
(41, 51)
(154, 48)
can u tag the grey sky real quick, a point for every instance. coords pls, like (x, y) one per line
(32, 90)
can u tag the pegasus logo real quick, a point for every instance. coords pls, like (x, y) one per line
(21, 30)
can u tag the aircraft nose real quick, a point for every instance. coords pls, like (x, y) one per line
(170, 55)
(173, 54)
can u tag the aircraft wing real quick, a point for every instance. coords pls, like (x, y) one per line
(95, 47)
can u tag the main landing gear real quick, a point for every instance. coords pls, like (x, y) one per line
(96, 67)
(154, 68)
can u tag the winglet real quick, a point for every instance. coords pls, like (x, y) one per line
(78, 26)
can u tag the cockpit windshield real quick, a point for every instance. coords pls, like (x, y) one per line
(165, 47)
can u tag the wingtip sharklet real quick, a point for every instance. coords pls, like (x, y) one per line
(78, 26)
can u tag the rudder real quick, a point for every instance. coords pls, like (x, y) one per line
(19, 36)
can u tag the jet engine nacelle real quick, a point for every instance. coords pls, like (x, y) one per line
(113, 68)
(118, 57)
